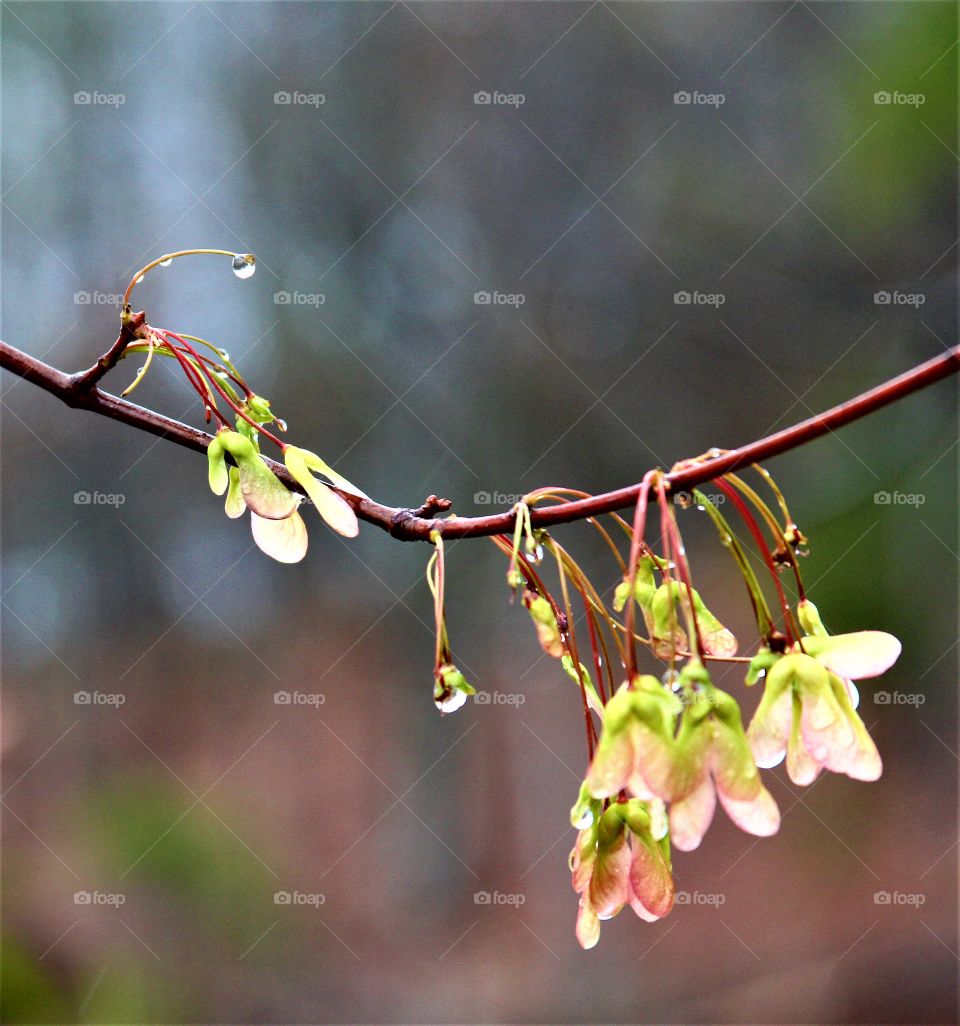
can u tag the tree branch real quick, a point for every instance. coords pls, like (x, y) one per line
(80, 391)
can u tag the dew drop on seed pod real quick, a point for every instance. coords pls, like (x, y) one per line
(535, 556)
(165, 263)
(452, 702)
(243, 264)
(670, 679)
(585, 820)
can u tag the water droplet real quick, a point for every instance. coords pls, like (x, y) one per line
(140, 370)
(585, 820)
(224, 354)
(535, 555)
(244, 264)
(138, 280)
(670, 678)
(452, 702)
(165, 263)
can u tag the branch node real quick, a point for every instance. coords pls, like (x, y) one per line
(400, 525)
(131, 325)
(432, 505)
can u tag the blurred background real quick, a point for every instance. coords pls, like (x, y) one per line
(694, 222)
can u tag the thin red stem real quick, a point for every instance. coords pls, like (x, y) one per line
(680, 554)
(193, 376)
(597, 665)
(754, 528)
(636, 543)
(225, 395)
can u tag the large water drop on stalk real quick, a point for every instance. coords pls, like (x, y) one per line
(585, 820)
(139, 279)
(165, 263)
(452, 702)
(244, 264)
(670, 679)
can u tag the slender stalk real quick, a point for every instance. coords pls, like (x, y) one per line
(749, 519)
(636, 543)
